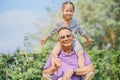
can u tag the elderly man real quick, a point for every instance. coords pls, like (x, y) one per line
(67, 65)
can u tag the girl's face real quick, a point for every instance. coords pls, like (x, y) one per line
(67, 11)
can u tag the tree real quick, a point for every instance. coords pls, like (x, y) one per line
(101, 20)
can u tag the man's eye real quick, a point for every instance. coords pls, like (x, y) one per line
(62, 37)
(68, 36)
(67, 10)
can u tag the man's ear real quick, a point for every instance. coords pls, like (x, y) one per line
(62, 11)
(58, 39)
(73, 36)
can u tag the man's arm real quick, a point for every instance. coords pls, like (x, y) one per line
(79, 71)
(50, 70)
(85, 70)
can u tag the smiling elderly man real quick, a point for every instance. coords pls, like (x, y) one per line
(67, 65)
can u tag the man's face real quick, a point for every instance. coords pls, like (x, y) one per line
(65, 38)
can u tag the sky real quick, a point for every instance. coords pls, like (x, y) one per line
(17, 18)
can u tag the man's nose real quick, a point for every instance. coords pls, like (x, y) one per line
(66, 38)
(69, 12)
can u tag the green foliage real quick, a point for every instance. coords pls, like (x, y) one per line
(101, 20)
(106, 63)
(21, 66)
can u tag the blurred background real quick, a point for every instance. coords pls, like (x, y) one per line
(23, 23)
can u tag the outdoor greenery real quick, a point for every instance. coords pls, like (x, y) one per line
(101, 20)
(23, 66)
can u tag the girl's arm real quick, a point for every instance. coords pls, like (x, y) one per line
(43, 42)
(88, 39)
(83, 33)
(51, 33)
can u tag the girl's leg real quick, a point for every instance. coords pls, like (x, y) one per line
(79, 51)
(55, 53)
(88, 76)
(81, 60)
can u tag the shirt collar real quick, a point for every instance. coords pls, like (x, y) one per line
(65, 54)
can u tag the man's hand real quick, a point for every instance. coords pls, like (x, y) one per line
(68, 75)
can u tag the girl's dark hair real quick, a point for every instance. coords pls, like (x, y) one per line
(68, 2)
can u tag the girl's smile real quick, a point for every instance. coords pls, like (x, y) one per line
(68, 12)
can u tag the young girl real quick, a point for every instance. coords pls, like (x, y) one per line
(67, 21)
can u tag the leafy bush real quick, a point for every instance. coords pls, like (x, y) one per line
(106, 63)
(29, 66)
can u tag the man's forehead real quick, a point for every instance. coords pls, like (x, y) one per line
(64, 31)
